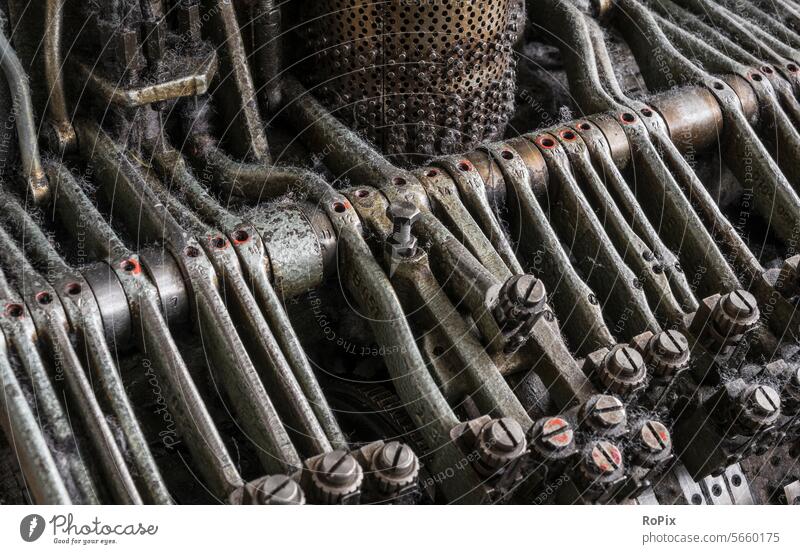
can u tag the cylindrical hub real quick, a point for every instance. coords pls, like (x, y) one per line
(417, 77)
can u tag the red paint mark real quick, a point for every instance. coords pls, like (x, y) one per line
(131, 265)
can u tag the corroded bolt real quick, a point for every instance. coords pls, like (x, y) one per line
(403, 215)
(668, 351)
(604, 458)
(394, 466)
(655, 437)
(736, 313)
(503, 434)
(763, 400)
(279, 489)
(338, 468)
(395, 459)
(500, 441)
(625, 361)
(557, 433)
(607, 411)
(526, 290)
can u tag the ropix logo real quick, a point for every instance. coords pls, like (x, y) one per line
(31, 527)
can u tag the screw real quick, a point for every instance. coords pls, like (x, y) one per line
(671, 344)
(403, 215)
(556, 433)
(604, 458)
(625, 361)
(668, 351)
(763, 400)
(503, 434)
(607, 411)
(337, 468)
(526, 290)
(654, 436)
(735, 314)
(279, 489)
(395, 459)
(739, 303)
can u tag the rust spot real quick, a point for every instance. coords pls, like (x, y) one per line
(14, 310)
(240, 236)
(73, 289)
(546, 142)
(131, 265)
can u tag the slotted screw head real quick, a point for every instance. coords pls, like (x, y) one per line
(672, 344)
(503, 434)
(557, 433)
(739, 303)
(763, 400)
(395, 459)
(625, 361)
(604, 458)
(279, 489)
(655, 437)
(607, 411)
(667, 352)
(337, 468)
(527, 290)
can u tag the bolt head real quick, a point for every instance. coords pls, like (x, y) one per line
(604, 458)
(607, 411)
(279, 489)
(403, 212)
(655, 437)
(763, 400)
(739, 303)
(395, 459)
(671, 344)
(337, 468)
(527, 291)
(625, 361)
(503, 434)
(557, 433)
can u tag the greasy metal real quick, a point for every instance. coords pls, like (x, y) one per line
(253, 256)
(423, 296)
(63, 132)
(235, 370)
(22, 430)
(52, 329)
(472, 192)
(434, 418)
(22, 337)
(611, 223)
(152, 332)
(575, 304)
(84, 315)
(33, 174)
(245, 130)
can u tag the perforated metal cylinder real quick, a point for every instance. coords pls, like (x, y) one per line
(417, 77)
